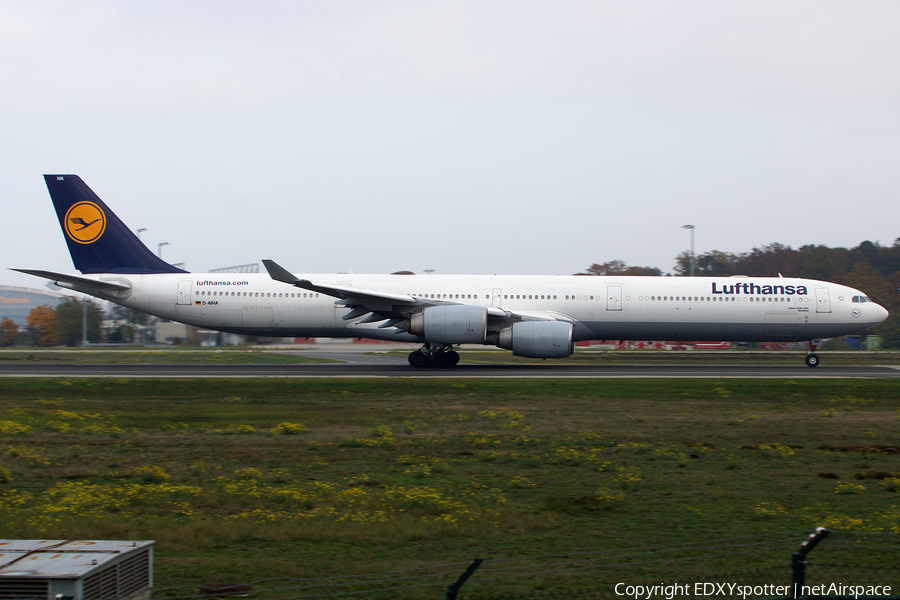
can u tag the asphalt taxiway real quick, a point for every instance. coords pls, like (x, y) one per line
(394, 368)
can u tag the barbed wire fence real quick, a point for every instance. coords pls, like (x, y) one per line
(758, 563)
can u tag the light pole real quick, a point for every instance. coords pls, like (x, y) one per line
(84, 341)
(159, 248)
(691, 227)
(140, 231)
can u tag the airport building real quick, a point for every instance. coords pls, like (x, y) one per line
(17, 301)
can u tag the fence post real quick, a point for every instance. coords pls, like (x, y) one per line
(453, 588)
(798, 559)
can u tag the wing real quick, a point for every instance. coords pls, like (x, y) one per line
(395, 310)
(375, 306)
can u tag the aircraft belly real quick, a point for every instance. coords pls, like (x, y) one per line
(318, 315)
(258, 318)
(669, 330)
(783, 323)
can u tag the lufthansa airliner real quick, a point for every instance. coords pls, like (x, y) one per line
(534, 316)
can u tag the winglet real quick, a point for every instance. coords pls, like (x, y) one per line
(278, 273)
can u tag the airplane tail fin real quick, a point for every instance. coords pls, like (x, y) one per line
(98, 240)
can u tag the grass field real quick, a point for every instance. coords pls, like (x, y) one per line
(244, 479)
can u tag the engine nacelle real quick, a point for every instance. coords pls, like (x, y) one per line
(538, 339)
(454, 324)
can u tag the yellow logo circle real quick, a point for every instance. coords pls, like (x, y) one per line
(85, 222)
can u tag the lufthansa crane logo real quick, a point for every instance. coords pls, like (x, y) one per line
(85, 223)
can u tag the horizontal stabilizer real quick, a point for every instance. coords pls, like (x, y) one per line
(108, 286)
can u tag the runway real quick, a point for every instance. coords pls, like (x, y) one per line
(391, 368)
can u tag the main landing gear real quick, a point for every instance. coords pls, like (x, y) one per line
(811, 359)
(433, 355)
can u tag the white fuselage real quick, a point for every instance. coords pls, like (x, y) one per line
(620, 308)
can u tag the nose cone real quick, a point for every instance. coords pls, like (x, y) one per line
(881, 314)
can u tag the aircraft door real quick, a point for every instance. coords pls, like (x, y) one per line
(823, 300)
(184, 292)
(496, 297)
(614, 297)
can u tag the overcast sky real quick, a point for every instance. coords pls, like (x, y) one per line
(486, 137)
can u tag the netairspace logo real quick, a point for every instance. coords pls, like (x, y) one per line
(671, 591)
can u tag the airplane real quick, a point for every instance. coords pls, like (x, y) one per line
(534, 316)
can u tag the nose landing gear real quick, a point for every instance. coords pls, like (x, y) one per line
(433, 355)
(812, 360)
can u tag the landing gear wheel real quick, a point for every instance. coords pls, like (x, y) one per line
(418, 359)
(812, 360)
(451, 358)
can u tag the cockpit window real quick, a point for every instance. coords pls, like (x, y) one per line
(861, 299)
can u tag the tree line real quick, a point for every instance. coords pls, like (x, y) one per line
(63, 325)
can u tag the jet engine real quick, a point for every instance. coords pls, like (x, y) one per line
(454, 324)
(538, 339)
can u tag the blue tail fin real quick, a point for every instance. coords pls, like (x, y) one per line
(98, 240)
